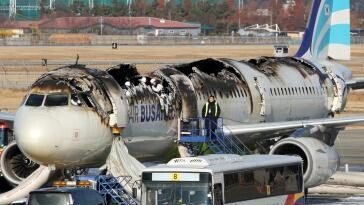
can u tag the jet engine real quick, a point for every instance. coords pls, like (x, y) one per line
(15, 166)
(320, 161)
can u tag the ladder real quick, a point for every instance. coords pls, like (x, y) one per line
(110, 187)
(219, 139)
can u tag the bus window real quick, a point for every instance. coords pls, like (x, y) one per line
(218, 194)
(261, 183)
(177, 193)
(186, 188)
(49, 198)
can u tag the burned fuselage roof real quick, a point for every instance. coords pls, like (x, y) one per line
(269, 65)
(79, 80)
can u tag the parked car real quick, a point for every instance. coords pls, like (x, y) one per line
(65, 196)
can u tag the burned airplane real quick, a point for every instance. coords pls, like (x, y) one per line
(71, 115)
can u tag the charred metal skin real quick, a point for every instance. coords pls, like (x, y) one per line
(45, 133)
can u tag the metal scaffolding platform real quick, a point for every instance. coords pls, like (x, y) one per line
(213, 133)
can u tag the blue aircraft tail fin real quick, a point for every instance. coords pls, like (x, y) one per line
(328, 31)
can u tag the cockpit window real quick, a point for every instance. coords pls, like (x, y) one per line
(75, 100)
(34, 100)
(56, 100)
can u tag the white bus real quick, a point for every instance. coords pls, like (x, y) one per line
(225, 179)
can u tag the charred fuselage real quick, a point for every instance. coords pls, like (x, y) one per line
(71, 114)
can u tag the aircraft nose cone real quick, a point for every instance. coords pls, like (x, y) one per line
(36, 135)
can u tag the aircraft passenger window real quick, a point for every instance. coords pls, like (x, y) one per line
(289, 91)
(271, 93)
(285, 89)
(306, 90)
(56, 100)
(275, 91)
(34, 100)
(282, 91)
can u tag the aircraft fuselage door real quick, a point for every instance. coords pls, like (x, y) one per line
(260, 85)
(118, 118)
(340, 90)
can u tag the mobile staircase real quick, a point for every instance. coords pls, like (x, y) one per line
(111, 188)
(219, 139)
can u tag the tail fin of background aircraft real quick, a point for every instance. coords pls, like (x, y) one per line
(328, 31)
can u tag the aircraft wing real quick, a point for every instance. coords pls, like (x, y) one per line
(273, 128)
(356, 83)
(6, 116)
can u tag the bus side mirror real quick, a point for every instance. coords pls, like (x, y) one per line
(135, 193)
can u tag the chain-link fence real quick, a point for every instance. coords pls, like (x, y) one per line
(92, 39)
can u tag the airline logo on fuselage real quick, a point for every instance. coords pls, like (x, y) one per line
(142, 113)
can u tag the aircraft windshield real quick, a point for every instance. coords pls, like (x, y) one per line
(34, 100)
(56, 100)
(171, 193)
(75, 100)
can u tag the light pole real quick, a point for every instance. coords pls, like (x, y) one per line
(90, 4)
(12, 8)
(240, 6)
(51, 2)
(129, 10)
